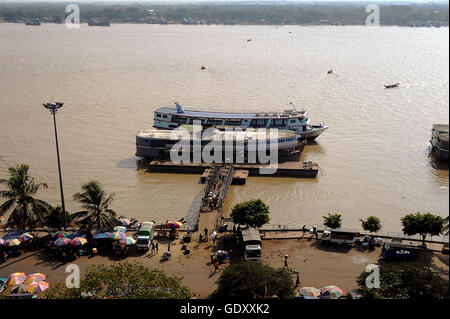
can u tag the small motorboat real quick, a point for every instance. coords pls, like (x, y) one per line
(248, 40)
(203, 67)
(392, 86)
(330, 71)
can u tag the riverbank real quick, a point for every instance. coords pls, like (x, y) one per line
(318, 265)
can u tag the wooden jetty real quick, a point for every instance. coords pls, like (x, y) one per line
(285, 169)
(239, 176)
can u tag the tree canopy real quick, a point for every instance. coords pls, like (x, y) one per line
(405, 281)
(97, 213)
(54, 218)
(371, 224)
(332, 220)
(423, 224)
(254, 213)
(246, 280)
(123, 280)
(25, 210)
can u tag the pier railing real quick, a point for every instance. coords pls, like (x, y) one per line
(382, 234)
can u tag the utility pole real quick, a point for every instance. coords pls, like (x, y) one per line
(53, 107)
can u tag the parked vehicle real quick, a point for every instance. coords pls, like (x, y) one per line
(398, 251)
(251, 243)
(339, 236)
(145, 236)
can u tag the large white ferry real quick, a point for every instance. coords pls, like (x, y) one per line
(171, 118)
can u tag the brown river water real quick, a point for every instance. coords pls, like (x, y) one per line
(374, 157)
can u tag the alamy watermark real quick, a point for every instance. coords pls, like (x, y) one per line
(73, 19)
(373, 279)
(373, 19)
(210, 145)
(73, 279)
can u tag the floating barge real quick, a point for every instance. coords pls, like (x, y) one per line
(285, 169)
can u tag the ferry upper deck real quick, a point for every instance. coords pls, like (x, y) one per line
(230, 115)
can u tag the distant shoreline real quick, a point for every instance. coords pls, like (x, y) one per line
(247, 24)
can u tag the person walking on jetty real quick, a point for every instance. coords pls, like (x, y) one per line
(156, 247)
(216, 266)
(206, 232)
(168, 247)
(212, 258)
(286, 261)
(153, 247)
(214, 236)
(200, 238)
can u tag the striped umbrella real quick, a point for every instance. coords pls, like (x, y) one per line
(16, 278)
(333, 292)
(61, 242)
(120, 229)
(12, 242)
(38, 287)
(60, 234)
(173, 224)
(78, 241)
(24, 237)
(126, 222)
(19, 289)
(35, 278)
(117, 235)
(127, 241)
(309, 292)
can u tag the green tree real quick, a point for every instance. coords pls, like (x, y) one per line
(123, 280)
(371, 224)
(26, 210)
(445, 227)
(332, 220)
(405, 281)
(54, 218)
(246, 280)
(423, 224)
(254, 213)
(97, 213)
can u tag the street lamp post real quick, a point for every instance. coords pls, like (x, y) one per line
(53, 107)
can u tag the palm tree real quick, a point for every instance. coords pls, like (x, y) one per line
(97, 213)
(26, 210)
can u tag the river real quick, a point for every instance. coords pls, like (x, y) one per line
(374, 156)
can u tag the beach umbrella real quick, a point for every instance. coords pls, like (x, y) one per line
(120, 229)
(309, 292)
(60, 234)
(173, 224)
(24, 237)
(126, 222)
(19, 289)
(16, 278)
(78, 241)
(37, 287)
(333, 292)
(98, 235)
(127, 241)
(12, 242)
(117, 235)
(36, 277)
(61, 242)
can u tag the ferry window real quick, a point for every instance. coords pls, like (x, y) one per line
(164, 116)
(292, 121)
